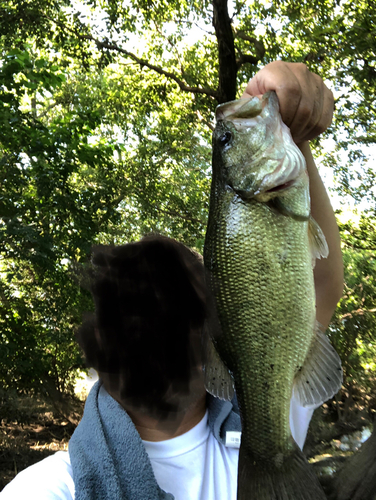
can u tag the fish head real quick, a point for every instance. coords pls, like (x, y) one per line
(256, 154)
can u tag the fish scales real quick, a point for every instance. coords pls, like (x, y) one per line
(258, 252)
(263, 311)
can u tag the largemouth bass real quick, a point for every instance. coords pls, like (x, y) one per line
(260, 246)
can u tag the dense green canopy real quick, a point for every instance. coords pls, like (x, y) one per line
(106, 113)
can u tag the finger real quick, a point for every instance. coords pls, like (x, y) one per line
(310, 107)
(325, 118)
(320, 118)
(245, 94)
(306, 104)
(279, 77)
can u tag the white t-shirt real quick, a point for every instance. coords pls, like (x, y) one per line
(193, 466)
(49, 479)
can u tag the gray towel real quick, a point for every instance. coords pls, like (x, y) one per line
(108, 457)
(223, 416)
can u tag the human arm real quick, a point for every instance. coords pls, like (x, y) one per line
(328, 273)
(306, 106)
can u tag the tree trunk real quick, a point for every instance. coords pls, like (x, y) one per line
(226, 52)
(357, 479)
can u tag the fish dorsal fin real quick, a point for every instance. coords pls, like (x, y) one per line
(218, 380)
(321, 375)
(317, 241)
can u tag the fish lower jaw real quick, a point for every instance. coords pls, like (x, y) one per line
(288, 172)
(281, 187)
(267, 195)
(263, 196)
(270, 187)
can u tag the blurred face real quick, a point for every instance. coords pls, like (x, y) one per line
(150, 307)
(180, 399)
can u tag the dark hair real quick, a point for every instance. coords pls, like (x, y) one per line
(149, 296)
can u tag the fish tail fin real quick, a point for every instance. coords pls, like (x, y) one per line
(291, 479)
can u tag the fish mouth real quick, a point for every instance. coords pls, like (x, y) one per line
(280, 187)
(247, 195)
(283, 177)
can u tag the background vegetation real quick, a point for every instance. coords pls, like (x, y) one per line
(106, 113)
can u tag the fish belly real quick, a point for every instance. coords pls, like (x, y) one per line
(260, 271)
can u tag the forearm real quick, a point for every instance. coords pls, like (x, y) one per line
(328, 273)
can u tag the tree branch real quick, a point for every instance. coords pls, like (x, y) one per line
(144, 62)
(238, 10)
(179, 215)
(357, 312)
(47, 109)
(226, 52)
(105, 44)
(202, 119)
(246, 58)
(172, 45)
(258, 46)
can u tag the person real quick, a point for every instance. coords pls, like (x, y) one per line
(149, 428)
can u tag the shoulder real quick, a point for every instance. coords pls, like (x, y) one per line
(49, 479)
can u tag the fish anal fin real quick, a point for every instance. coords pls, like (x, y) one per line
(320, 377)
(317, 241)
(218, 380)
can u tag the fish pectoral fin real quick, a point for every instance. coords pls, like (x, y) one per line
(218, 380)
(317, 241)
(320, 378)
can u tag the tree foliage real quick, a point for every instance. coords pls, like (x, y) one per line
(353, 329)
(106, 115)
(48, 219)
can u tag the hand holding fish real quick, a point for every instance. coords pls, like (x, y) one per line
(306, 104)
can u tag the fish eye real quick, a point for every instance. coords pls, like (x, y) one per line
(225, 138)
